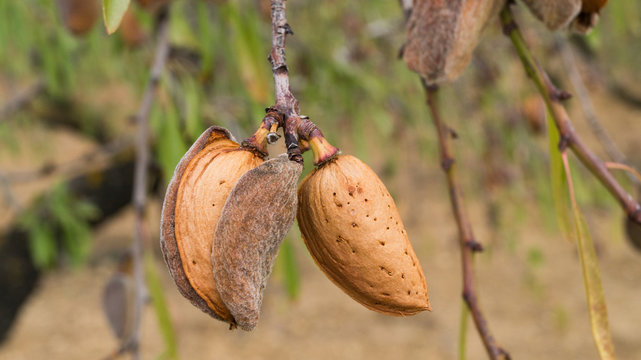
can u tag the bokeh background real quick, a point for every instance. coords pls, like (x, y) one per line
(66, 168)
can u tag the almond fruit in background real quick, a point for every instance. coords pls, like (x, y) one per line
(442, 35)
(257, 215)
(555, 14)
(195, 197)
(589, 15)
(79, 16)
(353, 230)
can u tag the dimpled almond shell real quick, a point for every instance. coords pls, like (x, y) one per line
(194, 201)
(353, 230)
(257, 215)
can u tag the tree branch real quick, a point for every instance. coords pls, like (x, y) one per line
(610, 147)
(569, 138)
(286, 103)
(467, 242)
(139, 198)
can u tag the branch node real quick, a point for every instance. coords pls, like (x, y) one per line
(557, 94)
(474, 245)
(635, 215)
(452, 132)
(288, 29)
(564, 142)
(447, 163)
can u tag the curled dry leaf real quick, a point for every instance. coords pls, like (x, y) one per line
(442, 35)
(257, 215)
(193, 203)
(119, 301)
(353, 230)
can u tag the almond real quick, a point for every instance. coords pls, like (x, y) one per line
(442, 35)
(353, 230)
(256, 217)
(79, 16)
(195, 198)
(555, 14)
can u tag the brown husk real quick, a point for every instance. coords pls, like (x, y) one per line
(257, 215)
(194, 200)
(442, 35)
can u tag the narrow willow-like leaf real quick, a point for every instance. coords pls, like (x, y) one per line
(248, 50)
(160, 308)
(193, 114)
(171, 145)
(290, 268)
(558, 181)
(591, 276)
(112, 13)
(462, 334)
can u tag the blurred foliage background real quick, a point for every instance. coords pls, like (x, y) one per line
(67, 101)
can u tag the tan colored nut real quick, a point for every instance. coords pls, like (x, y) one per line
(589, 15)
(257, 215)
(353, 230)
(534, 111)
(79, 16)
(555, 14)
(592, 6)
(194, 201)
(442, 35)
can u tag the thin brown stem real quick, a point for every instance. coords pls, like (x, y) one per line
(294, 125)
(610, 147)
(467, 242)
(286, 103)
(569, 137)
(139, 199)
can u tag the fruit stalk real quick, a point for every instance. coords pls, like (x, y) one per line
(258, 141)
(286, 103)
(553, 98)
(322, 149)
(467, 241)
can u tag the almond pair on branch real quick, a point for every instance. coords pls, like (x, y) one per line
(227, 210)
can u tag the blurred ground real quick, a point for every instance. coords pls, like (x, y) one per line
(531, 291)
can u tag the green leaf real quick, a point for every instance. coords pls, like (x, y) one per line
(248, 50)
(193, 116)
(113, 12)
(591, 277)
(160, 308)
(171, 146)
(558, 181)
(462, 334)
(290, 267)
